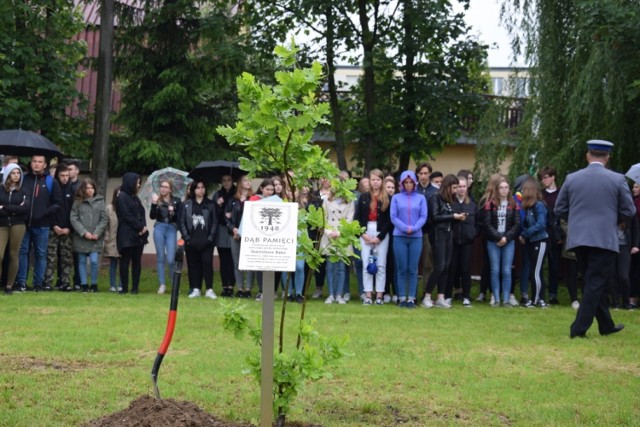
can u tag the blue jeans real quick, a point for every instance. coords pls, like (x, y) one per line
(82, 267)
(335, 277)
(407, 252)
(114, 281)
(298, 281)
(39, 237)
(500, 260)
(165, 237)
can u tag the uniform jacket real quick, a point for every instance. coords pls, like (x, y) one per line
(131, 214)
(88, 216)
(362, 209)
(408, 210)
(489, 221)
(594, 200)
(15, 203)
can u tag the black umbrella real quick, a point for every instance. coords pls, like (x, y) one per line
(18, 142)
(212, 171)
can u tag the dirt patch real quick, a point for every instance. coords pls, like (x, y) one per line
(147, 411)
(34, 364)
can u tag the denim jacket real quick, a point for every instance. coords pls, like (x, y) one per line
(534, 227)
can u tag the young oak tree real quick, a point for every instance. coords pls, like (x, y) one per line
(275, 126)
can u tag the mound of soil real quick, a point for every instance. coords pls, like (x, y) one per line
(147, 411)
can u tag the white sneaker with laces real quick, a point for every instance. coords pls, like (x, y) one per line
(386, 298)
(513, 301)
(162, 289)
(340, 300)
(448, 300)
(442, 303)
(195, 293)
(346, 297)
(394, 299)
(210, 294)
(427, 303)
(575, 305)
(330, 300)
(492, 300)
(480, 297)
(466, 303)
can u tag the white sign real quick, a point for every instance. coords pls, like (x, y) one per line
(269, 236)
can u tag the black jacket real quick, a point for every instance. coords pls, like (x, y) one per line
(440, 218)
(185, 223)
(160, 211)
(489, 222)
(235, 207)
(43, 204)
(62, 217)
(220, 209)
(362, 215)
(465, 231)
(15, 205)
(130, 214)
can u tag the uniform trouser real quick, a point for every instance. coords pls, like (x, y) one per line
(60, 256)
(597, 266)
(11, 238)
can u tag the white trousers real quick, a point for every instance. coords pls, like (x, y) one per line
(381, 252)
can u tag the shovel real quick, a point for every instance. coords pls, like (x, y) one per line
(173, 314)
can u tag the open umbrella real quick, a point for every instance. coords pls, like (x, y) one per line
(18, 142)
(152, 185)
(212, 171)
(634, 173)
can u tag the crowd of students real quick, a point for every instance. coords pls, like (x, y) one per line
(419, 235)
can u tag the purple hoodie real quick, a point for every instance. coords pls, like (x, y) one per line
(408, 209)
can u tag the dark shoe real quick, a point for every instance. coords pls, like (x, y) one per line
(8, 290)
(411, 304)
(524, 300)
(554, 301)
(299, 299)
(123, 292)
(615, 330)
(582, 335)
(631, 306)
(134, 291)
(240, 294)
(37, 288)
(65, 288)
(93, 288)
(47, 288)
(84, 288)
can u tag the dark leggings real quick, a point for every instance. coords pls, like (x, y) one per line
(200, 266)
(619, 287)
(131, 255)
(441, 259)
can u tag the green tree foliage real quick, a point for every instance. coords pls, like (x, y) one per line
(176, 61)
(275, 126)
(38, 71)
(585, 67)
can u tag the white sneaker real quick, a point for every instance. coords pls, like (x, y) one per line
(466, 303)
(575, 305)
(347, 297)
(362, 297)
(493, 300)
(258, 296)
(442, 303)
(113, 289)
(194, 293)
(513, 301)
(210, 294)
(448, 300)
(330, 300)
(386, 298)
(394, 299)
(340, 300)
(427, 303)
(317, 293)
(162, 289)
(480, 297)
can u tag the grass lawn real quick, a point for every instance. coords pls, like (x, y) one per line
(69, 358)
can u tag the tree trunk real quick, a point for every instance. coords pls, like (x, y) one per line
(338, 126)
(102, 124)
(368, 43)
(409, 50)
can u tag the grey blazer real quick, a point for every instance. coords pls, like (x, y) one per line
(594, 200)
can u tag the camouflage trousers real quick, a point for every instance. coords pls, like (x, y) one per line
(60, 257)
